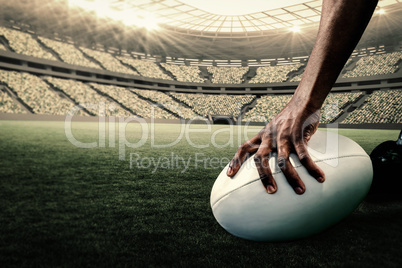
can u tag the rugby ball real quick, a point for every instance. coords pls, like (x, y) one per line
(242, 206)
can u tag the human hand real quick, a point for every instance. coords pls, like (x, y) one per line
(287, 132)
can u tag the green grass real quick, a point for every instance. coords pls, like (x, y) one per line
(65, 206)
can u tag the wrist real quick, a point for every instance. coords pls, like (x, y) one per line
(306, 102)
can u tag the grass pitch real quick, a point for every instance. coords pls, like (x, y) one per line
(61, 205)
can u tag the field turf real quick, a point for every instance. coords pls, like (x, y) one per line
(64, 206)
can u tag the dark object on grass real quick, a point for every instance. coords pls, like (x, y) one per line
(387, 165)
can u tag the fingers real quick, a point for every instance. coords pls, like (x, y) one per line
(249, 147)
(308, 163)
(261, 160)
(287, 169)
(284, 137)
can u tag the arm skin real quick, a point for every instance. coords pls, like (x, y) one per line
(341, 27)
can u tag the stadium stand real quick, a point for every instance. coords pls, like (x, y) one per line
(227, 75)
(130, 100)
(24, 43)
(85, 95)
(382, 106)
(266, 108)
(348, 62)
(375, 65)
(184, 73)
(269, 106)
(167, 102)
(274, 74)
(296, 78)
(205, 105)
(108, 61)
(43, 96)
(335, 103)
(145, 68)
(37, 94)
(7, 105)
(69, 53)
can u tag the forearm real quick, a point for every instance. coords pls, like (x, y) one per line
(341, 27)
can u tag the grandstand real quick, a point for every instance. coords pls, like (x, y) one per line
(272, 74)
(207, 105)
(43, 99)
(184, 73)
(180, 90)
(382, 106)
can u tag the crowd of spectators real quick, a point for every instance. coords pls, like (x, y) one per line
(269, 106)
(296, 78)
(335, 103)
(375, 65)
(266, 108)
(167, 102)
(184, 73)
(382, 106)
(24, 43)
(27, 44)
(130, 100)
(274, 74)
(37, 94)
(69, 53)
(108, 61)
(206, 104)
(7, 105)
(227, 75)
(87, 97)
(145, 68)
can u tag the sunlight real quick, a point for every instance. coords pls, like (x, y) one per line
(295, 29)
(102, 9)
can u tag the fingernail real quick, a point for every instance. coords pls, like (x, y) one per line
(270, 189)
(229, 170)
(298, 190)
(320, 179)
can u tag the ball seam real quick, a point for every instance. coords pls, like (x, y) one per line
(277, 172)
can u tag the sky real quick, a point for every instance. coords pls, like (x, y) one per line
(240, 7)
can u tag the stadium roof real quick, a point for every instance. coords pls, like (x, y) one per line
(192, 29)
(214, 17)
(211, 18)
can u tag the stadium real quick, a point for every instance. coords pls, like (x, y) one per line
(116, 117)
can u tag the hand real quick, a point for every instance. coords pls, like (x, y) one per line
(287, 132)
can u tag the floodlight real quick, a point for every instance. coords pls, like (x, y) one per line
(295, 29)
(380, 11)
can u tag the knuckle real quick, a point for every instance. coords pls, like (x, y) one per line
(297, 137)
(282, 162)
(266, 135)
(283, 143)
(265, 177)
(303, 156)
(258, 157)
(236, 161)
(242, 147)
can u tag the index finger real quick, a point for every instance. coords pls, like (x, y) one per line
(249, 147)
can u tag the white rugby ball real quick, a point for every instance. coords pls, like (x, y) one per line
(243, 207)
